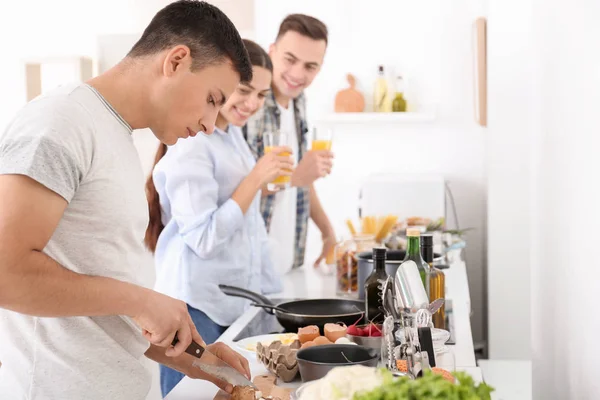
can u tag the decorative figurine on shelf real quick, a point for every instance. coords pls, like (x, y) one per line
(350, 99)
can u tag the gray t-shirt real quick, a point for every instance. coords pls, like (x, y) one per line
(75, 144)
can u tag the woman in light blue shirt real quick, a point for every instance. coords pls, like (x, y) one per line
(205, 223)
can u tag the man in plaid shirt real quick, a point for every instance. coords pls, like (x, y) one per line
(297, 56)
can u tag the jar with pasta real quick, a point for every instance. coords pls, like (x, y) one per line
(346, 256)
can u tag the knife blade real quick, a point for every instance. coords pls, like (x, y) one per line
(435, 305)
(214, 366)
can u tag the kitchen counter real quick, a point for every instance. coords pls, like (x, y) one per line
(310, 283)
(511, 379)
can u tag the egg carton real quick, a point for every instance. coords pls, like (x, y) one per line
(279, 359)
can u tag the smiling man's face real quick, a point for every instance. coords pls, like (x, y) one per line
(296, 61)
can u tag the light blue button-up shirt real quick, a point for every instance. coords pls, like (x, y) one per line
(207, 239)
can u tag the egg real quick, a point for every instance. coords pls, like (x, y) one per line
(344, 340)
(307, 344)
(321, 340)
(285, 339)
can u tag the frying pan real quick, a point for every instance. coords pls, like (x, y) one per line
(301, 313)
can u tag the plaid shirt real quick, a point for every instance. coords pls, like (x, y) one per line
(268, 119)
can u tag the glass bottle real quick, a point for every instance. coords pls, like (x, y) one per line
(382, 101)
(373, 292)
(413, 253)
(399, 103)
(437, 281)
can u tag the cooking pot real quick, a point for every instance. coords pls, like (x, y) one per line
(394, 259)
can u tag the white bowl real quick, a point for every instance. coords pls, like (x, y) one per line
(298, 392)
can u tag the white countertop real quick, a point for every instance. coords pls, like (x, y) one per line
(309, 283)
(511, 379)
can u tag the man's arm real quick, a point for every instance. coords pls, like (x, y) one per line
(317, 214)
(35, 284)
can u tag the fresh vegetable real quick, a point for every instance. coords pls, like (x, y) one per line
(372, 330)
(354, 331)
(445, 374)
(402, 365)
(341, 383)
(430, 387)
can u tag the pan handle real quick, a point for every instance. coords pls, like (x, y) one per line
(269, 307)
(246, 294)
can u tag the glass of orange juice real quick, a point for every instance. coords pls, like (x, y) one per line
(321, 139)
(275, 139)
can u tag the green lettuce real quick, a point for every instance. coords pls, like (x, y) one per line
(430, 387)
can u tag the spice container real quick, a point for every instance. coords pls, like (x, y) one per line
(346, 256)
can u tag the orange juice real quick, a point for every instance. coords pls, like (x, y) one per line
(321, 145)
(283, 179)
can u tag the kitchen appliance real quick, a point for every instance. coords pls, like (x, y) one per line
(405, 195)
(301, 313)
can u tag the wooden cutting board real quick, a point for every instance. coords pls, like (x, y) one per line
(350, 99)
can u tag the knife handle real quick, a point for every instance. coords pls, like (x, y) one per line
(193, 349)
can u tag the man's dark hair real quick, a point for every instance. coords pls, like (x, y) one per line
(206, 30)
(305, 25)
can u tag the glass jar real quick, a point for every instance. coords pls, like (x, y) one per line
(346, 256)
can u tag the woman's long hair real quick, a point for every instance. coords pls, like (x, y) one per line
(155, 225)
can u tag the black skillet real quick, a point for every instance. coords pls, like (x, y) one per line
(301, 313)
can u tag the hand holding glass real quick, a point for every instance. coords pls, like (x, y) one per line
(273, 140)
(321, 139)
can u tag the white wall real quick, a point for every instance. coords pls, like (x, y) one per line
(512, 96)
(39, 28)
(544, 191)
(565, 276)
(430, 42)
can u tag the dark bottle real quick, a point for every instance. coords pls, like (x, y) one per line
(413, 253)
(373, 284)
(437, 281)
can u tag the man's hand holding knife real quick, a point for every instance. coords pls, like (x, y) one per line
(175, 342)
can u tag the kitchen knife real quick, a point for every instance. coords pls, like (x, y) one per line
(214, 366)
(435, 305)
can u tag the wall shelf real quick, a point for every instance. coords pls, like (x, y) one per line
(377, 118)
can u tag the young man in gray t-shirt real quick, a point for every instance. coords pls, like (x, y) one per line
(75, 321)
